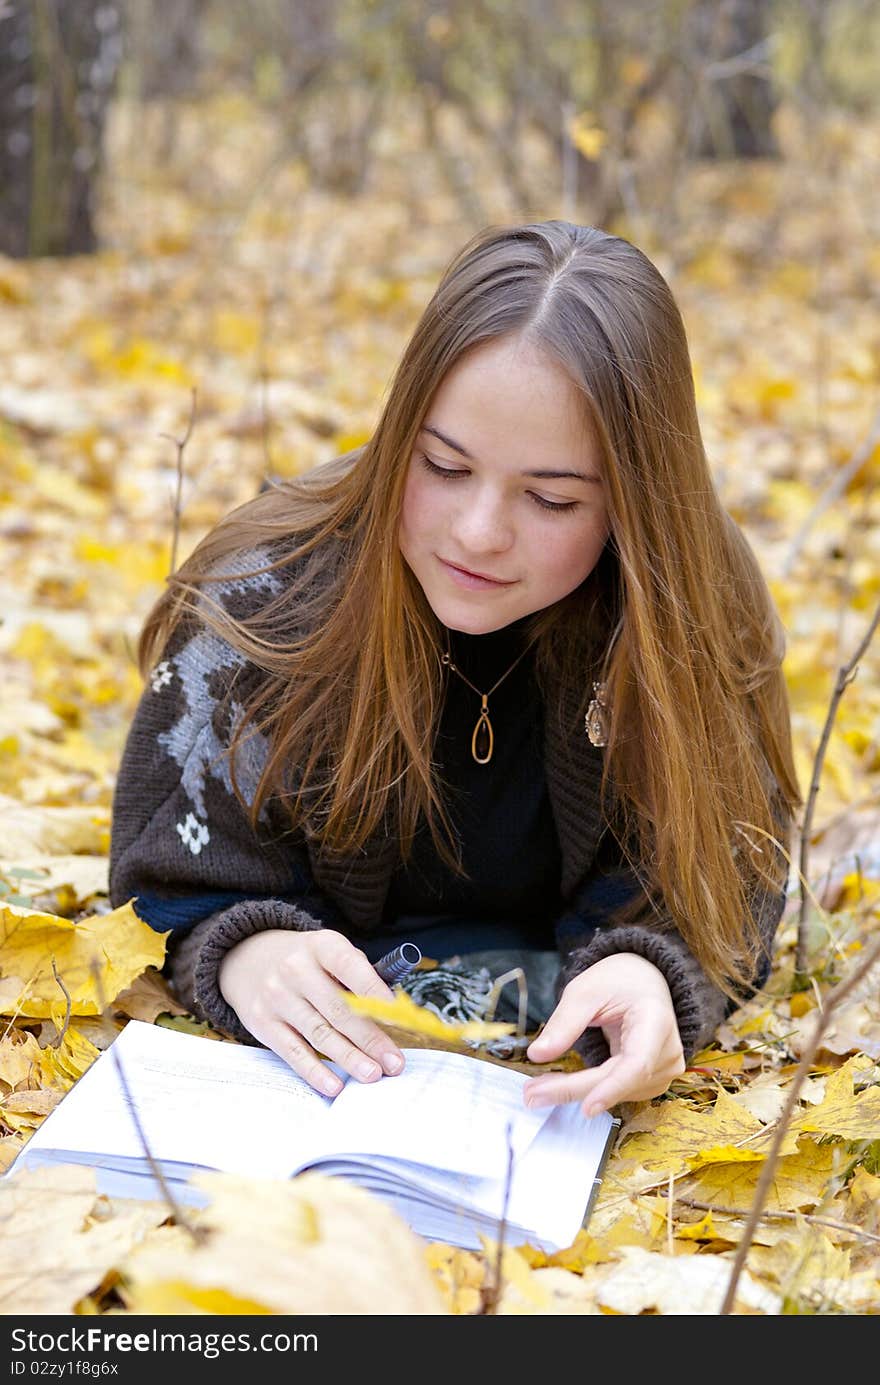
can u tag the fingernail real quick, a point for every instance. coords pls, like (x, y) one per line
(367, 1070)
(392, 1063)
(331, 1084)
(595, 1109)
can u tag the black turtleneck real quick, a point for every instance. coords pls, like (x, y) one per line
(500, 811)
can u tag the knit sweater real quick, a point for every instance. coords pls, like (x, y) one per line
(183, 849)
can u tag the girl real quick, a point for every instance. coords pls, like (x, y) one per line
(505, 681)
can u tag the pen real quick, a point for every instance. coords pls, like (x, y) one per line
(398, 962)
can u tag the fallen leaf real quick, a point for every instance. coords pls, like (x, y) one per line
(646, 1281)
(800, 1180)
(310, 1244)
(404, 1013)
(52, 1253)
(842, 1113)
(119, 943)
(685, 1138)
(148, 997)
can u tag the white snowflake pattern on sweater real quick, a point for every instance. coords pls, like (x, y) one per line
(160, 676)
(193, 833)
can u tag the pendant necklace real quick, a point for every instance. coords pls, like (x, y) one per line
(483, 739)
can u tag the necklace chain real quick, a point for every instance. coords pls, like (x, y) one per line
(483, 728)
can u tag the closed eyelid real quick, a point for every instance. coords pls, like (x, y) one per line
(448, 472)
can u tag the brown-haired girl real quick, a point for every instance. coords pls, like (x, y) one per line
(504, 682)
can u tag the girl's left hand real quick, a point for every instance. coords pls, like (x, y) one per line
(628, 998)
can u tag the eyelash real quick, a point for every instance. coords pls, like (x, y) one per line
(445, 473)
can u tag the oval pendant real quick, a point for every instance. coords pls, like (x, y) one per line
(483, 739)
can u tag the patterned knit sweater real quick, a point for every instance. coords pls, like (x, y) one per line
(183, 849)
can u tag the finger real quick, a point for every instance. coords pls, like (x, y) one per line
(348, 965)
(631, 1079)
(323, 1016)
(566, 1024)
(292, 1047)
(351, 967)
(562, 1088)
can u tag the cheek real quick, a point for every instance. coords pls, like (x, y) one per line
(567, 561)
(420, 511)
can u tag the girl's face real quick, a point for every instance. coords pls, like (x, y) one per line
(504, 483)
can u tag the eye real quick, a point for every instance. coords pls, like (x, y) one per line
(446, 473)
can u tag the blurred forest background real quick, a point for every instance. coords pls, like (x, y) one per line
(218, 225)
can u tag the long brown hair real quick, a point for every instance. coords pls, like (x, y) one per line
(699, 764)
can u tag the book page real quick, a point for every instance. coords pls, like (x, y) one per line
(550, 1187)
(445, 1110)
(200, 1101)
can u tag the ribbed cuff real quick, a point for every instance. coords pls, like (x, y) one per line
(698, 1005)
(195, 962)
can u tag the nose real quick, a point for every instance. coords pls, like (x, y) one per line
(482, 525)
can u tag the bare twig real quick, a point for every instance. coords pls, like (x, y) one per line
(59, 1039)
(778, 1215)
(832, 492)
(494, 1291)
(845, 676)
(833, 1000)
(180, 444)
(197, 1233)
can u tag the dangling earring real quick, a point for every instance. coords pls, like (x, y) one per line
(596, 720)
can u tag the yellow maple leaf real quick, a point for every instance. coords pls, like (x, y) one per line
(800, 1180)
(119, 943)
(404, 1013)
(841, 1112)
(686, 1139)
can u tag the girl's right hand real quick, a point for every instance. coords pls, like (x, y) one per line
(288, 990)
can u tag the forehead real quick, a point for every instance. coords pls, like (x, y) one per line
(509, 394)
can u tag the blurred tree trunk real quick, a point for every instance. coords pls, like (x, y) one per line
(166, 58)
(733, 48)
(58, 65)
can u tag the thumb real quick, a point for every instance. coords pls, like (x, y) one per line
(573, 1014)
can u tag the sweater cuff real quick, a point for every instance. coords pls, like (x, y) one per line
(698, 1005)
(194, 959)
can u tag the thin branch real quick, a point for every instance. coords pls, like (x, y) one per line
(778, 1215)
(845, 676)
(180, 444)
(833, 1000)
(59, 1039)
(197, 1233)
(832, 492)
(494, 1292)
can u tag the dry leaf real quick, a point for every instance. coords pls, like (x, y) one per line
(645, 1281)
(842, 1113)
(685, 1138)
(119, 943)
(309, 1244)
(51, 1252)
(404, 1013)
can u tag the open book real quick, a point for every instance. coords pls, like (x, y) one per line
(434, 1142)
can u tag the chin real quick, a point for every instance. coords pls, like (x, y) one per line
(472, 622)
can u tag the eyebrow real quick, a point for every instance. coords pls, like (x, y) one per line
(544, 474)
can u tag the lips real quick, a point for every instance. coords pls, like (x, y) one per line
(486, 576)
